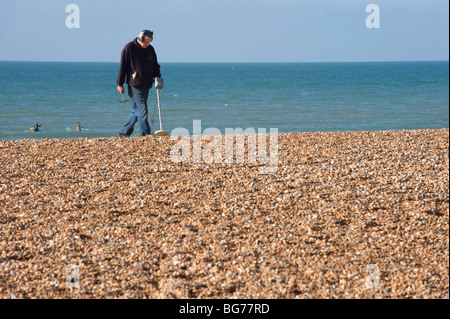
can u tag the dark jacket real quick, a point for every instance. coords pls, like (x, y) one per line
(138, 66)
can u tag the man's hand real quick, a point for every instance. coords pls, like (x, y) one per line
(120, 89)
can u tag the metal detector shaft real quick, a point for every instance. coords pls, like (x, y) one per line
(159, 110)
(161, 132)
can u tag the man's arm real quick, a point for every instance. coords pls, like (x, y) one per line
(123, 70)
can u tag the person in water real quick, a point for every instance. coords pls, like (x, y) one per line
(78, 127)
(36, 127)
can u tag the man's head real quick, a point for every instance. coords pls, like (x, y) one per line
(145, 37)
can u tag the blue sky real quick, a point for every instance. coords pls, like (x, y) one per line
(227, 31)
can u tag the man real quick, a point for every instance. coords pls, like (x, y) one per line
(138, 67)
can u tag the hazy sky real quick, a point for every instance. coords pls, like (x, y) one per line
(227, 30)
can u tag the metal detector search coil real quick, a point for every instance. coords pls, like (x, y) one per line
(159, 83)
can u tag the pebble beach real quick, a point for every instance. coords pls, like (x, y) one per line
(344, 215)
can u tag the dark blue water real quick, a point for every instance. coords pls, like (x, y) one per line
(293, 97)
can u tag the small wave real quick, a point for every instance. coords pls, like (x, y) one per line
(68, 129)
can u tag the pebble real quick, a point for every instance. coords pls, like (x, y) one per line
(136, 224)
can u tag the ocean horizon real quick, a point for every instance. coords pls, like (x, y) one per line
(289, 96)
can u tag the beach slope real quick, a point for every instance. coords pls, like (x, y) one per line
(345, 215)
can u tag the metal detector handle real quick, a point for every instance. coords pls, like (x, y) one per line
(159, 83)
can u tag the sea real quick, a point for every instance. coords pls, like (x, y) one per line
(291, 97)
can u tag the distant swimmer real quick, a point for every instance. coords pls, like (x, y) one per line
(36, 128)
(78, 128)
